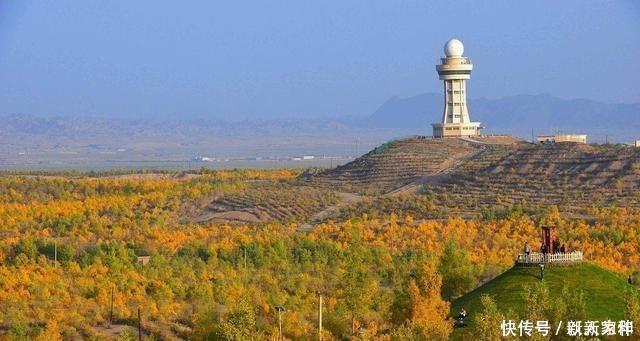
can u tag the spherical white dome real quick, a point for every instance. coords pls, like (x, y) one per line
(453, 48)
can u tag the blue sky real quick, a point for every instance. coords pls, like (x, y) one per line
(283, 59)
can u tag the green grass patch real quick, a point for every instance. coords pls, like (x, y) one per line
(604, 291)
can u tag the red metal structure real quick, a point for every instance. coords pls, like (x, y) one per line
(548, 239)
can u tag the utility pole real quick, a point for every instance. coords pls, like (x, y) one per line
(320, 315)
(533, 140)
(280, 309)
(245, 257)
(111, 310)
(139, 326)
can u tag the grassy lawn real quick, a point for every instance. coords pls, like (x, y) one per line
(604, 291)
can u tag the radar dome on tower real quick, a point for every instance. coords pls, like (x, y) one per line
(453, 48)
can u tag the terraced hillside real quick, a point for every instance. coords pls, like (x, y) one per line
(403, 161)
(565, 174)
(261, 202)
(475, 174)
(435, 178)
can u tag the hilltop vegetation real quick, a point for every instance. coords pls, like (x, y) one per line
(602, 289)
(581, 292)
(386, 269)
(285, 202)
(395, 163)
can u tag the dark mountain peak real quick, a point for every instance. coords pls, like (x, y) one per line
(517, 115)
(399, 112)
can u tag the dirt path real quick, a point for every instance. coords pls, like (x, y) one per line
(441, 175)
(331, 211)
(114, 331)
(148, 327)
(345, 199)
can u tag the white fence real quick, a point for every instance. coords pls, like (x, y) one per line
(561, 258)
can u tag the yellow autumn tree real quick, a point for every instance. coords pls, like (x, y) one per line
(429, 312)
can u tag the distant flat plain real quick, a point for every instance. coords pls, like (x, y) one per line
(28, 142)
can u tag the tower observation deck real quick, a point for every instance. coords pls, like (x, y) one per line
(454, 70)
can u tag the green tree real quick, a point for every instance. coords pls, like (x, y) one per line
(486, 323)
(239, 325)
(358, 288)
(458, 273)
(632, 312)
(536, 302)
(19, 332)
(575, 303)
(27, 247)
(64, 252)
(539, 306)
(407, 332)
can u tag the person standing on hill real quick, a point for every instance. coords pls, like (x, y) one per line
(544, 249)
(462, 314)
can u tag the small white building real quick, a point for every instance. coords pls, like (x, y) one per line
(637, 143)
(201, 158)
(143, 260)
(575, 138)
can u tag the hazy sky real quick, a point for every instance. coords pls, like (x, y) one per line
(275, 59)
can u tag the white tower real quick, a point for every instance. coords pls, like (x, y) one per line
(454, 70)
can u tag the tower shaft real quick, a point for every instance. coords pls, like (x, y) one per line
(455, 102)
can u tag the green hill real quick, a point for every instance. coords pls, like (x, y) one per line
(604, 291)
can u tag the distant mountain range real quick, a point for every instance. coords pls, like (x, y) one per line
(34, 141)
(514, 115)
(518, 115)
(29, 141)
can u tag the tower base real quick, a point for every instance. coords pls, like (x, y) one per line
(456, 129)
